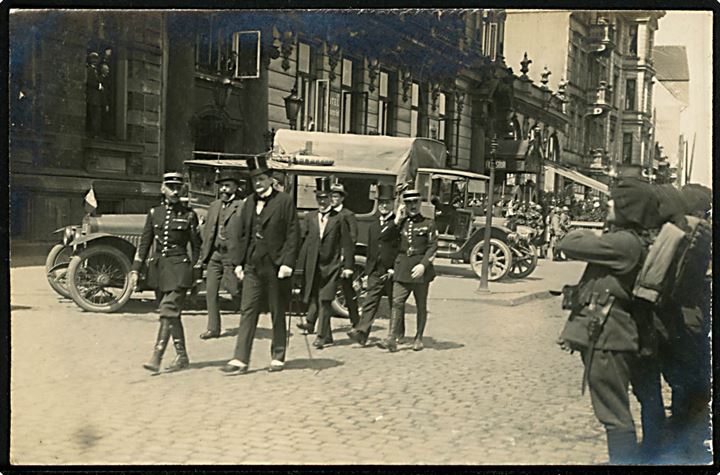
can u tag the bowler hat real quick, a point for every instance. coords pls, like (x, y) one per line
(411, 195)
(228, 175)
(385, 191)
(173, 177)
(257, 165)
(323, 186)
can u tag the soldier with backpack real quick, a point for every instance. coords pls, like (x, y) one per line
(603, 323)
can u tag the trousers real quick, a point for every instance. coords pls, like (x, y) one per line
(261, 285)
(376, 288)
(401, 292)
(219, 273)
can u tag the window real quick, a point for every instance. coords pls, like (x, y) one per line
(414, 109)
(627, 148)
(386, 111)
(216, 46)
(630, 94)
(633, 41)
(306, 89)
(357, 198)
(346, 122)
(437, 125)
(322, 101)
(615, 89)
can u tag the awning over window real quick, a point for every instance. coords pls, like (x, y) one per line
(578, 177)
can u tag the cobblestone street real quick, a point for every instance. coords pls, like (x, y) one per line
(491, 387)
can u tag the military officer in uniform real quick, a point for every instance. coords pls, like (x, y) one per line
(267, 254)
(168, 230)
(382, 249)
(337, 197)
(413, 270)
(326, 251)
(221, 236)
(610, 332)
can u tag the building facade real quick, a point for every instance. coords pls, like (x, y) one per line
(112, 99)
(604, 60)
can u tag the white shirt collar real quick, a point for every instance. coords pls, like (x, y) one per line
(339, 207)
(267, 192)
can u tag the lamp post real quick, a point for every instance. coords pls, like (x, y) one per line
(292, 106)
(484, 270)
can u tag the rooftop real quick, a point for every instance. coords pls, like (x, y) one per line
(671, 63)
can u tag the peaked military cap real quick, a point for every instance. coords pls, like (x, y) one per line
(411, 195)
(228, 175)
(173, 177)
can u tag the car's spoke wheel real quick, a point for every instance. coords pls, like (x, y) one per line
(98, 279)
(500, 259)
(338, 304)
(524, 263)
(56, 265)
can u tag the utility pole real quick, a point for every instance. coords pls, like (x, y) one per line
(484, 270)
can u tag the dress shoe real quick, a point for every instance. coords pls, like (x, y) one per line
(276, 365)
(306, 327)
(152, 366)
(321, 343)
(418, 345)
(358, 336)
(232, 368)
(209, 334)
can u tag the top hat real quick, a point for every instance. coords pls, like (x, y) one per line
(228, 175)
(385, 191)
(173, 178)
(257, 165)
(323, 185)
(411, 195)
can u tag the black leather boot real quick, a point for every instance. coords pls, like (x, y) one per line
(390, 343)
(622, 447)
(181, 360)
(160, 345)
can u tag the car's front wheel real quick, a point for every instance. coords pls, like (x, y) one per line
(98, 279)
(499, 262)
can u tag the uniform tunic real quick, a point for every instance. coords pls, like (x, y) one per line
(613, 258)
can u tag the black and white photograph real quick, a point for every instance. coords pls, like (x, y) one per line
(448, 236)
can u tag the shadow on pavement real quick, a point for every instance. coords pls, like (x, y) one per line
(430, 343)
(208, 364)
(14, 308)
(315, 363)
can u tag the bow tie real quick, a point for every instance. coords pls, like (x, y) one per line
(261, 198)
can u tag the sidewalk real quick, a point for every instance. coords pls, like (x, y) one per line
(458, 282)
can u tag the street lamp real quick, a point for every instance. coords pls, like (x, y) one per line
(292, 106)
(484, 270)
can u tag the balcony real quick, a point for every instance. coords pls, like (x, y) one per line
(601, 38)
(600, 101)
(596, 159)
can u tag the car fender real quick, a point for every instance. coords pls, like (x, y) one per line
(496, 232)
(103, 238)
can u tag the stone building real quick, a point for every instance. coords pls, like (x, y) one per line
(164, 87)
(604, 58)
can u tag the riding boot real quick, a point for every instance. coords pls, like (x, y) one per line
(160, 345)
(622, 446)
(178, 334)
(390, 343)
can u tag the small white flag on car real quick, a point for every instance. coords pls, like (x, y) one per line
(90, 201)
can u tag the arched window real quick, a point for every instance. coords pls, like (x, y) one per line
(553, 148)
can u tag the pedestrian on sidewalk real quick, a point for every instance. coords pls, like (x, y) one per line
(266, 258)
(326, 252)
(337, 197)
(612, 334)
(413, 270)
(382, 250)
(221, 237)
(168, 229)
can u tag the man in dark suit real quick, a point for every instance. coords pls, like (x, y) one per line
(413, 267)
(337, 197)
(170, 227)
(383, 245)
(326, 251)
(267, 254)
(221, 237)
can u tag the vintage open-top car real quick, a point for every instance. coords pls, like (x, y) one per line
(92, 263)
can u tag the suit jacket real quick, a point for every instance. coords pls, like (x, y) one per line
(233, 228)
(383, 246)
(322, 258)
(170, 229)
(280, 229)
